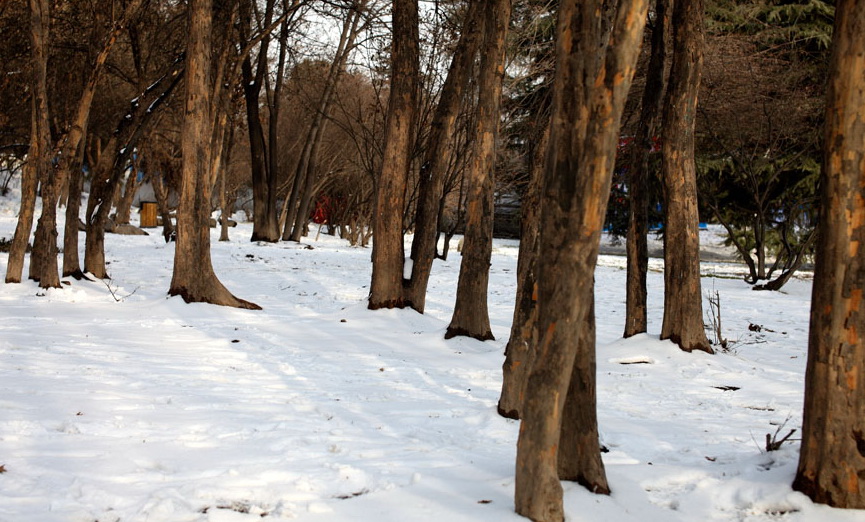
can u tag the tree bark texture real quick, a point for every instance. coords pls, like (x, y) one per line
(436, 157)
(387, 250)
(265, 226)
(589, 94)
(71, 260)
(193, 277)
(683, 305)
(832, 459)
(37, 165)
(471, 316)
(112, 163)
(637, 243)
(523, 341)
(43, 256)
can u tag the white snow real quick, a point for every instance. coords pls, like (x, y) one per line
(120, 404)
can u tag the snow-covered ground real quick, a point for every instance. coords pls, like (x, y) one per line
(120, 404)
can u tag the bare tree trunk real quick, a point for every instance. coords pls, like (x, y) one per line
(683, 305)
(265, 226)
(112, 162)
(226, 203)
(638, 177)
(386, 288)
(162, 202)
(40, 141)
(471, 317)
(304, 173)
(43, 256)
(435, 162)
(71, 260)
(589, 94)
(193, 277)
(832, 460)
(524, 332)
(130, 188)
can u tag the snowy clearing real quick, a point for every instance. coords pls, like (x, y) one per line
(119, 404)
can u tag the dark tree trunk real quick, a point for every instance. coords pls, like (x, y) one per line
(435, 161)
(589, 95)
(193, 277)
(638, 177)
(524, 332)
(683, 306)
(832, 460)
(265, 226)
(387, 250)
(471, 317)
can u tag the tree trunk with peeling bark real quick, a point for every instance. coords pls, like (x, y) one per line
(589, 94)
(471, 317)
(523, 341)
(386, 289)
(832, 459)
(683, 305)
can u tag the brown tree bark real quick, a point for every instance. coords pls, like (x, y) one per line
(38, 163)
(637, 243)
(43, 256)
(193, 277)
(832, 459)
(386, 289)
(471, 317)
(112, 163)
(683, 305)
(265, 226)
(69, 166)
(71, 260)
(559, 409)
(435, 162)
(523, 341)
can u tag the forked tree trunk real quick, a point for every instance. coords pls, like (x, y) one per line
(524, 332)
(589, 95)
(40, 140)
(43, 256)
(637, 243)
(471, 316)
(683, 305)
(386, 288)
(832, 459)
(433, 170)
(193, 277)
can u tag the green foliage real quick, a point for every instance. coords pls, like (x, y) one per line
(779, 192)
(798, 26)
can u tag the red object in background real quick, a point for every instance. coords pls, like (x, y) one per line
(625, 141)
(321, 213)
